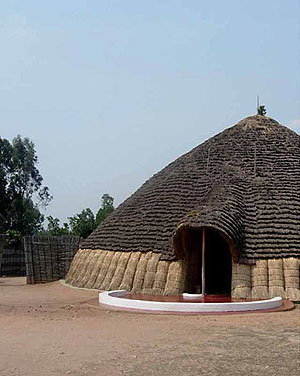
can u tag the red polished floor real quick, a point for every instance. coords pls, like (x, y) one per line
(179, 298)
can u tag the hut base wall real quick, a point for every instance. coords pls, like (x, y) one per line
(134, 271)
(266, 279)
(146, 273)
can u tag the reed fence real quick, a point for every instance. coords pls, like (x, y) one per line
(12, 258)
(48, 258)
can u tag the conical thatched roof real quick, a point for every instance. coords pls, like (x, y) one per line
(243, 182)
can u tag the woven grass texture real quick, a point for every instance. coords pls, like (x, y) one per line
(244, 182)
(145, 273)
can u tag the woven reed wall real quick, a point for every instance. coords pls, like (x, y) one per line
(266, 279)
(145, 273)
(12, 259)
(48, 258)
(132, 271)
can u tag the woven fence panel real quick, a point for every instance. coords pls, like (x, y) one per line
(1, 249)
(48, 258)
(12, 258)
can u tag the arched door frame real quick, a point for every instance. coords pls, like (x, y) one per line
(184, 251)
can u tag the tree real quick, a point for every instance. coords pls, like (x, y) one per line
(261, 110)
(107, 207)
(83, 224)
(21, 189)
(54, 229)
(5, 167)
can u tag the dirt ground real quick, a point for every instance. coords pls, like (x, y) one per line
(50, 330)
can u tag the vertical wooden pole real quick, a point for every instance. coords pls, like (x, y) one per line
(203, 262)
(27, 241)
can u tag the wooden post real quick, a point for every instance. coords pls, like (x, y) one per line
(28, 260)
(203, 262)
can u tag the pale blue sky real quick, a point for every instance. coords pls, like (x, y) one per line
(112, 91)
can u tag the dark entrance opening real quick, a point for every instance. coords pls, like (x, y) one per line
(217, 262)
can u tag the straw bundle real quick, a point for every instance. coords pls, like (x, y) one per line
(82, 268)
(241, 281)
(150, 273)
(261, 264)
(259, 279)
(291, 278)
(291, 272)
(241, 272)
(176, 278)
(74, 270)
(259, 292)
(140, 272)
(161, 277)
(69, 276)
(104, 269)
(120, 271)
(128, 277)
(104, 263)
(95, 271)
(111, 270)
(275, 278)
(89, 269)
(242, 292)
(76, 267)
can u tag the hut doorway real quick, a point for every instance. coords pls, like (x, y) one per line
(217, 261)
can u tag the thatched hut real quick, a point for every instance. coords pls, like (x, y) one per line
(235, 197)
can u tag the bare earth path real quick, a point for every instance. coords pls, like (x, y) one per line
(49, 330)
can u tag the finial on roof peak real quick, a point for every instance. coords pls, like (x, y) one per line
(259, 121)
(261, 109)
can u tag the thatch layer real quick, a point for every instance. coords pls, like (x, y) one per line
(128, 277)
(175, 278)
(161, 275)
(120, 271)
(145, 273)
(243, 182)
(259, 280)
(276, 279)
(241, 281)
(132, 271)
(150, 273)
(291, 268)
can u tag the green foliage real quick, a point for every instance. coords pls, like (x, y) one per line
(12, 236)
(261, 110)
(83, 224)
(54, 229)
(20, 184)
(107, 207)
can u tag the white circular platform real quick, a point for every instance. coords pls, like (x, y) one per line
(114, 299)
